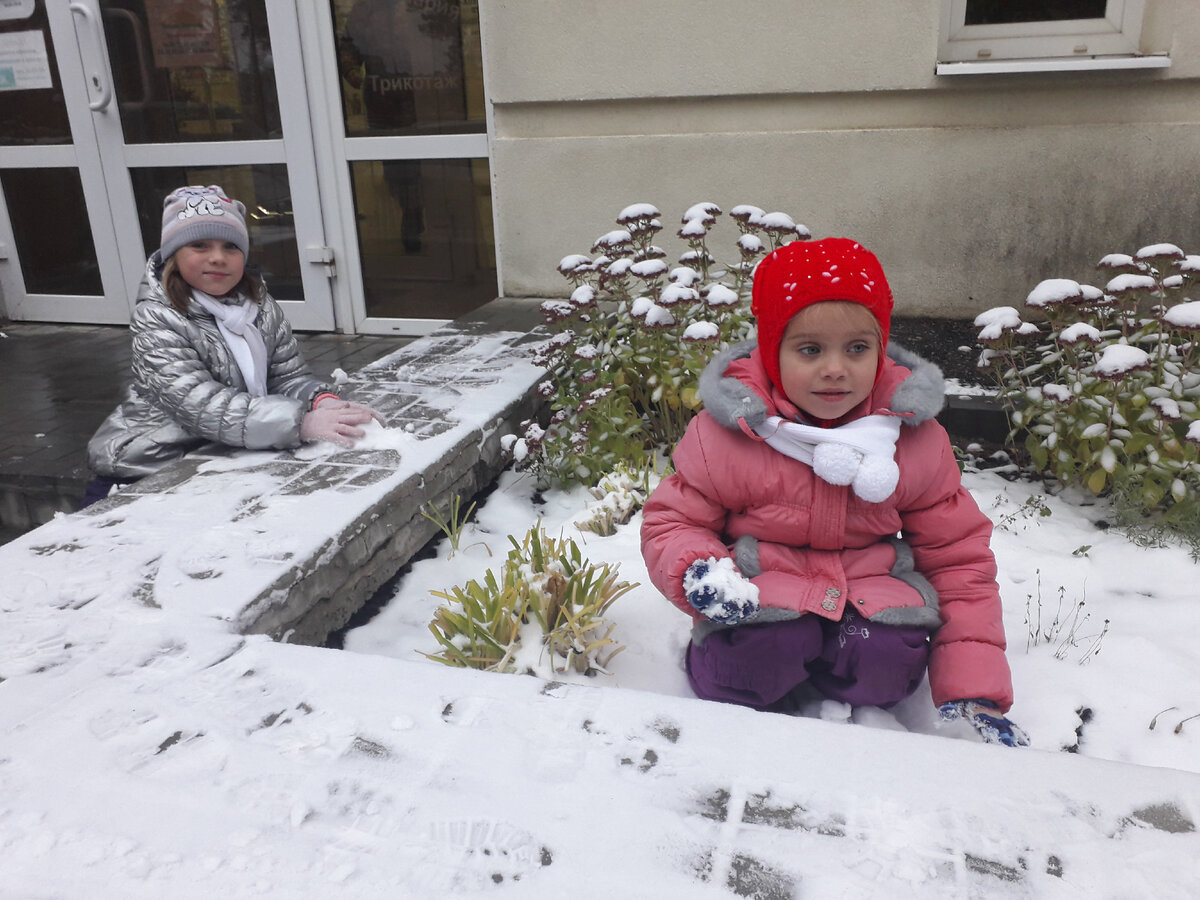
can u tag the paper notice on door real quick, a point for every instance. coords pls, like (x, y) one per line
(11, 10)
(24, 65)
(184, 33)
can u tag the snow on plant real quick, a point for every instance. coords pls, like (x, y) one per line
(622, 492)
(543, 614)
(1106, 386)
(629, 343)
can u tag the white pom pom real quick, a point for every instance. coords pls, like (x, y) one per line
(835, 463)
(877, 478)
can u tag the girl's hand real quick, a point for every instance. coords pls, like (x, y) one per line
(992, 727)
(337, 424)
(718, 591)
(329, 401)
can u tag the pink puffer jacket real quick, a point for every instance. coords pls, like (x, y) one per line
(920, 557)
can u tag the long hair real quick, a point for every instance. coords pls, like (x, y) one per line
(179, 292)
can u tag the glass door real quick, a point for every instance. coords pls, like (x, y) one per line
(59, 259)
(407, 153)
(109, 104)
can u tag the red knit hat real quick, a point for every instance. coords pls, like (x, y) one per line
(802, 273)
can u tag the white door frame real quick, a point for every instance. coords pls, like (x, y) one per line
(84, 74)
(335, 152)
(104, 159)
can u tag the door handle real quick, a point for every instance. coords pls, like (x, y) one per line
(99, 82)
(139, 45)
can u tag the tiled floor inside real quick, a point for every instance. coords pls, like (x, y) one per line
(58, 382)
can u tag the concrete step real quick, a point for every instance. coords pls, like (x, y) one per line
(292, 543)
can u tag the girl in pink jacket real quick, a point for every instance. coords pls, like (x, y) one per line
(816, 528)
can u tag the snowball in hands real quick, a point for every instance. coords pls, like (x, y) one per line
(717, 590)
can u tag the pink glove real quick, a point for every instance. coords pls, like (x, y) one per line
(329, 401)
(336, 423)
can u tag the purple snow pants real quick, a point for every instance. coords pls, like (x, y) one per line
(854, 661)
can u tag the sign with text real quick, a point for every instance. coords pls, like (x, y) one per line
(184, 33)
(24, 64)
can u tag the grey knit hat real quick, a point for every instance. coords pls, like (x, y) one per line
(197, 213)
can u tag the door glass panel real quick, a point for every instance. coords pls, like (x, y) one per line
(410, 66)
(192, 70)
(263, 189)
(51, 230)
(425, 236)
(32, 110)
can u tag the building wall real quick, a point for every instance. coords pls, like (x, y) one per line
(970, 188)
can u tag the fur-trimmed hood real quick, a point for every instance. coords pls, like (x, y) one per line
(735, 386)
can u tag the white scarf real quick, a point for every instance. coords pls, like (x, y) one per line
(242, 337)
(860, 453)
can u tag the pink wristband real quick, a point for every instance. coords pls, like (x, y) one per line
(317, 399)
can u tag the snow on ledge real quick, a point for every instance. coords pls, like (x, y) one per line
(1089, 64)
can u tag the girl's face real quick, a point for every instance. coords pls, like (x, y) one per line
(212, 266)
(829, 357)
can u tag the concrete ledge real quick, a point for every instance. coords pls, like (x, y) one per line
(27, 501)
(290, 544)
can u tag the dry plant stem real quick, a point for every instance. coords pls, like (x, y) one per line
(1063, 630)
(1179, 727)
(1154, 721)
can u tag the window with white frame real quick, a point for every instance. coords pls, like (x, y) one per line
(977, 30)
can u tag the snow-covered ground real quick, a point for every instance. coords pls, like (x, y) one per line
(152, 752)
(1101, 632)
(148, 750)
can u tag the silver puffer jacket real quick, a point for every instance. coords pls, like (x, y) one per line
(187, 389)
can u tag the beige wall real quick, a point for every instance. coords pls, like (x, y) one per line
(970, 188)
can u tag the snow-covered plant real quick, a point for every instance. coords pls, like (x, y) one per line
(542, 615)
(620, 493)
(628, 346)
(1105, 386)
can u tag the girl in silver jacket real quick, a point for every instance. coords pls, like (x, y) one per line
(214, 359)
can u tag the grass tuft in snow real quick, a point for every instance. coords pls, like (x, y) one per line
(542, 615)
(451, 521)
